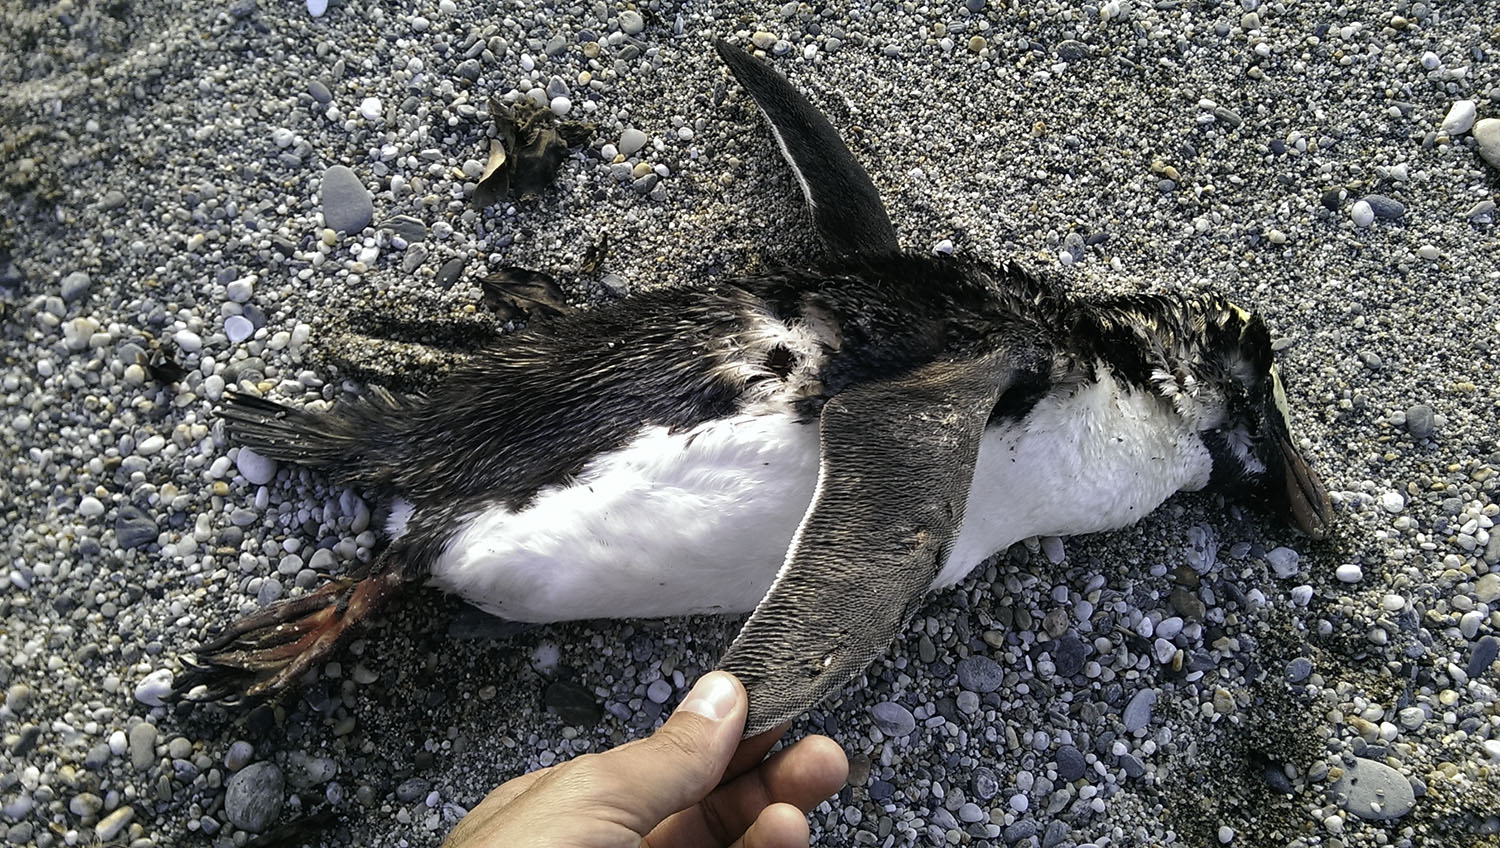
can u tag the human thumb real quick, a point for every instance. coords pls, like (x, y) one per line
(685, 759)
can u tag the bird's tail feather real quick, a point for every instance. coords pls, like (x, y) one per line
(317, 440)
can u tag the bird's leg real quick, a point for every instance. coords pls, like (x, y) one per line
(267, 651)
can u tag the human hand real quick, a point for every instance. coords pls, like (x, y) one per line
(692, 783)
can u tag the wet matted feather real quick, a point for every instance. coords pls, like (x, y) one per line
(529, 146)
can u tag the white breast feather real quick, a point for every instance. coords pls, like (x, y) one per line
(700, 521)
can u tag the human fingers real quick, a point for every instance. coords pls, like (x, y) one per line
(646, 781)
(802, 775)
(753, 750)
(778, 826)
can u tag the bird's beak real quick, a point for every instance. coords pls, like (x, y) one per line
(1307, 499)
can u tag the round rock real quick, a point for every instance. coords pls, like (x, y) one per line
(1487, 141)
(256, 468)
(631, 140)
(347, 206)
(1138, 712)
(1373, 790)
(1460, 117)
(1419, 421)
(893, 719)
(254, 797)
(980, 674)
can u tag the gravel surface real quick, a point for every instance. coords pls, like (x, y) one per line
(203, 195)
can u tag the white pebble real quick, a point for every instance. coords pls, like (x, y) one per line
(1430, 60)
(1349, 573)
(1460, 117)
(1362, 214)
(316, 8)
(561, 106)
(189, 341)
(1393, 603)
(90, 507)
(154, 687)
(369, 108)
(1392, 502)
(256, 468)
(1283, 562)
(1226, 834)
(118, 744)
(1019, 802)
(238, 328)
(631, 140)
(150, 446)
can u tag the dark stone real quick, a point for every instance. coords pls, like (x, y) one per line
(984, 784)
(881, 790)
(412, 789)
(1484, 653)
(1068, 655)
(134, 528)
(1132, 765)
(1070, 763)
(574, 704)
(980, 674)
(449, 273)
(1419, 421)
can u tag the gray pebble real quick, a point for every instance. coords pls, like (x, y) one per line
(893, 719)
(1072, 51)
(112, 200)
(1298, 669)
(305, 770)
(1023, 829)
(347, 206)
(141, 743)
(469, 69)
(1132, 764)
(1483, 654)
(407, 227)
(110, 826)
(320, 92)
(1487, 141)
(631, 23)
(1138, 712)
(412, 789)
(75, 286)
(254, 796)
(1373, 790)
(1070, 763)
(1385, 207)
(1057, 831)
(239, 755)
(1419, 421)
(984, 784)
(573, 703)
(631, 140)
(19, 698)
(659, 691)
(980, 674)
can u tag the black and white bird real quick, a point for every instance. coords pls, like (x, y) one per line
(823, 445)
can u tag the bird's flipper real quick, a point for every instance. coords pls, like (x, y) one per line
(845, 206)
(897, 459)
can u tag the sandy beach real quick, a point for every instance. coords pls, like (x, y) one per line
(198, 198)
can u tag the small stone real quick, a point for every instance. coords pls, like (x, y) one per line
(347, 206)
(1392, 502)
(133, 528)
(984, 783)
(1349, 572)
(980, 674)
(1411, 718)
(85, 804)
(469, 69)
(1487, 587)
(239, 755)
(1298, 669)
(369, 109)
(253, 797)
(1283, 562)
(1373, 790)
(411, 789)
(320, 92)
(449, 273)
(1226, 834)
(573, 703)
(1487, 141)
(154, 688)
(1419, 421)
(977, 43)
(111, 825)
(1460, 117)
(1483, 656)
(631, 22)
(1137, 713)
(1070, 763)
(659, 691)
(142, 745)
(19, 698)
(893, 719)
(1362, 214)
(1072, 50)
(763, 40)
(1068, 656)
(256, 469)
(238, 328)
(74, 286)
(1384, 207)
(631, 140)
(316, 8)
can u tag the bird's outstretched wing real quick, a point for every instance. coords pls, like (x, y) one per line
(845, 207)
(897, 461)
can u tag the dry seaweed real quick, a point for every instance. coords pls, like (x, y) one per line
(529, 146)
(518, 293)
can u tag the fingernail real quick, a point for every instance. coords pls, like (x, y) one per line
(713, 696)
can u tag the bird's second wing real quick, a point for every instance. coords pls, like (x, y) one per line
(897, 461)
